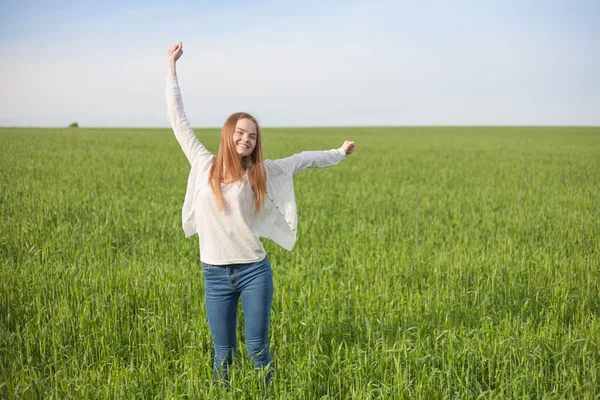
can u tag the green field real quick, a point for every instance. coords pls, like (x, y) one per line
(433, 263)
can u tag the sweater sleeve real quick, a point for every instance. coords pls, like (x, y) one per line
(191, 146)
(311, 159)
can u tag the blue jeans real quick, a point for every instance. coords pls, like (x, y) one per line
(223, 286)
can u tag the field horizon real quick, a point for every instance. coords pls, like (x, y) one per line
(317, 127)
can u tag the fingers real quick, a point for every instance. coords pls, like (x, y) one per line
(176, 47)
(348, 147)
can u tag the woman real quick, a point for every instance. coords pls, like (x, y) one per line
(232, 200)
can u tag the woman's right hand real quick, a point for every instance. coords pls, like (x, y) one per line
(175, 51)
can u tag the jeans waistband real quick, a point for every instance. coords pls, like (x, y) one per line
(241, 265)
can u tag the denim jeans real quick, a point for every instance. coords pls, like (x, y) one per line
(223, 286)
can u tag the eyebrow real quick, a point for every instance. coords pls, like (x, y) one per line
(243, 130)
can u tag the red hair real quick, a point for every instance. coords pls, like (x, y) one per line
(228, 166)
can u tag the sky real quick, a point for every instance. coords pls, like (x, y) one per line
(309, 63)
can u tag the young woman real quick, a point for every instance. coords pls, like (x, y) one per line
(232, 200)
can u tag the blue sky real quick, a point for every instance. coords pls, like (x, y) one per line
(311, 63)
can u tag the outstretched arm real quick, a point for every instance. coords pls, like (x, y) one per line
(191, 146)
(315, 159)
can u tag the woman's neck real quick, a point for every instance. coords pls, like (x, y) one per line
(228, 178)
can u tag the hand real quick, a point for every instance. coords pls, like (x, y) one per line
(348, 147)
(175, 51)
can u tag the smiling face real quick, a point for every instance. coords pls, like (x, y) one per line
(244, 137)
(239, 158)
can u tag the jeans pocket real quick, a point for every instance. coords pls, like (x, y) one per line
(205, 267)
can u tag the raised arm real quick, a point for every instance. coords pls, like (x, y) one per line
(315, 159)
(191, 146)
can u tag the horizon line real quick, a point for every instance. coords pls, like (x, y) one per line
(318, 126)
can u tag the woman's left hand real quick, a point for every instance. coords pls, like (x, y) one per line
(348, 147)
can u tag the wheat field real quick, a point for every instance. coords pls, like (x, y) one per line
(434, 263)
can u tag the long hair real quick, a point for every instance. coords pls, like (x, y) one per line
(228, 168)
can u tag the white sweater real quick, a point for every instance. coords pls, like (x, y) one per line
(229, 236)
(278, 219)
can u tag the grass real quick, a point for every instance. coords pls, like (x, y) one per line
(433, 263)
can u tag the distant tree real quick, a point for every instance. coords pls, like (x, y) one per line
(74, 125)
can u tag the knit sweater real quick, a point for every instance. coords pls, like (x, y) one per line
(278, 219)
